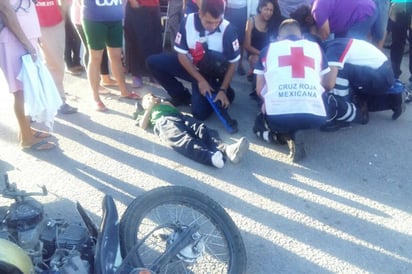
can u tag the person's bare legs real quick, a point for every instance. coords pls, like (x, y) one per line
(115, 57)
(93, 72)
(26, 133)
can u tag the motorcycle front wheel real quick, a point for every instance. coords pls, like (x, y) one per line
(158, 216)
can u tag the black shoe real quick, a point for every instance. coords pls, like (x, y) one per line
(296, 146)
(362, 112)
(261, 129)
(400, 106)
(67, 109)
(334, 126)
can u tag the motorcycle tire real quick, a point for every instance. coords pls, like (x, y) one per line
(223, 250)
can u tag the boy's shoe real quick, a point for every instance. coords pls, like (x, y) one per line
(67, 109)
(235, 152)
(217, 159)
(296, 146)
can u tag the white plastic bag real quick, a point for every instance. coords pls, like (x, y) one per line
(41, 97)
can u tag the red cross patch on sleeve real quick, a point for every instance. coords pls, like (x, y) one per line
(235, 45)
(178, 38)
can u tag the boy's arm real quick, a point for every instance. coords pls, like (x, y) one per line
(146, 117)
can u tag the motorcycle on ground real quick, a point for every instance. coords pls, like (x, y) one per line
(171, 229)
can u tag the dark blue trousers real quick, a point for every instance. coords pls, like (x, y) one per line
(189, 136)
(166, 68)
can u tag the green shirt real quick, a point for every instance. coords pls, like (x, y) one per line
(161, 110)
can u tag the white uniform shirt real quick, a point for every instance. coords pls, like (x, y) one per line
(292, 71)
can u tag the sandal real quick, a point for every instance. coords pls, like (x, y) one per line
(43, 145)
(132, 95)
(101, 107)
(40, 134)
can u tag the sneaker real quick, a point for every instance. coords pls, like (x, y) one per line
(67, 109)
(76, 70)
(217, 159)
(235, 152)
(296, 146)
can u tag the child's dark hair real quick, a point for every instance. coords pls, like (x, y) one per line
(215, 8)
(302, 14)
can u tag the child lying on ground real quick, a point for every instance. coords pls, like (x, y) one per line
(188, 135)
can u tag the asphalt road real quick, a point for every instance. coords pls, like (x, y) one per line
(345, 208)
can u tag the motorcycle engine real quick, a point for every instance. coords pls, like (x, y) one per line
(22, 221)
(67, 244)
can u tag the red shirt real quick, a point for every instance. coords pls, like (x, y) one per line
(48, 12)
(148, 3)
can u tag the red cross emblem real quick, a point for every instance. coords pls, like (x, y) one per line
(298, 61)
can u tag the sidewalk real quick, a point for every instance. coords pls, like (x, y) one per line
(345, 208)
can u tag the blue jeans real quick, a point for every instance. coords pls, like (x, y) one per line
(165, 67)
(189, 137)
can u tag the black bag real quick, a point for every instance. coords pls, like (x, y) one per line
(213, 64)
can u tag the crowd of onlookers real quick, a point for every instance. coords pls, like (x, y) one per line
(240, 31)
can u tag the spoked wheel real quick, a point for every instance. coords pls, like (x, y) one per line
(159, 217)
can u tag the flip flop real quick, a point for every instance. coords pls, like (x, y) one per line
(101, 107)
(132, 95)
(43, 145)
(41, 134)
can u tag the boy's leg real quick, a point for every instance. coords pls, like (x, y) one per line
(174, 131)
(209, 136)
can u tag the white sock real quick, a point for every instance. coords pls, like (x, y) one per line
(266, 136)
(217, 159)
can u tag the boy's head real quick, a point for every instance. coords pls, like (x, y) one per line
(149, 100)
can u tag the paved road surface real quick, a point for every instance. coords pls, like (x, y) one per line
(346, 208)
